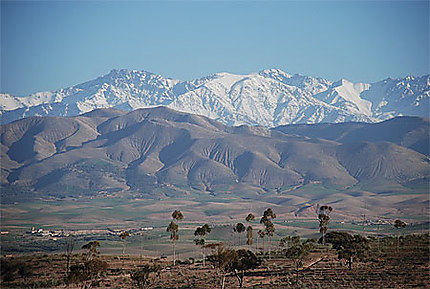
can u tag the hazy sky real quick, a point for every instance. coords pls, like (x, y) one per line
(49, 45)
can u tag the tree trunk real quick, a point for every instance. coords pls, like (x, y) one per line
(174, 253)
(69, 261)
(270, 244)
(264, 251)
(398, 242)
(223, 281)
(350, 263)
(241, 276)
(204, 258)
(123, 252)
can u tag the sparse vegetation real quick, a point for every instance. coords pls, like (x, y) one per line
(385, 268)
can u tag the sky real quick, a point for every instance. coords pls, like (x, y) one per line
(55, 44)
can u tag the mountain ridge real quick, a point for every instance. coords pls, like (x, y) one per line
(148, 149)
(269, 98)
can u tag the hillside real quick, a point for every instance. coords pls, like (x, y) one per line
(159, 152)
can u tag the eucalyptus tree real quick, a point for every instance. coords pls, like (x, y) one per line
(91, 248)
(349, 247)
(90, 270)
(68, 248)
(233, 262)
(201, 232)
(123, 237)
(239, 229)
(324, 220)
(297, 251)
(398, 224)
(249, 229)
(173, 229)
(269, 229)
(262, 235)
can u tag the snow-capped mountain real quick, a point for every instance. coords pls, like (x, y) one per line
(270, 98)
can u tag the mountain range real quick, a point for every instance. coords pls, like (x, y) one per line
(268, 98)
(158, 152)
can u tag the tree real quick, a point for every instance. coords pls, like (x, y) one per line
(219, 258)
(249, 235)
(177, 215)
(269, 229)
(242, 261)
(349, 247)
(68, 248)
(202, 232)
(288, 240)
(324, 220)
(173, 229)
(124, 236)
(262, 234)
(249, 229)
(250, 217)
(90, 270)
(297, 251)
(227, 261)
(87, 272)
(91, 248)
(239, 228)
(144, 276)
(398, 224)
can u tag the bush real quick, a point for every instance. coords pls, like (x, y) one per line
(90, 270)
(145, 275)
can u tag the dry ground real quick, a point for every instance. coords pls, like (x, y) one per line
(384, 268)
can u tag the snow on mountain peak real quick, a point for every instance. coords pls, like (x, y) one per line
(269, 97)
